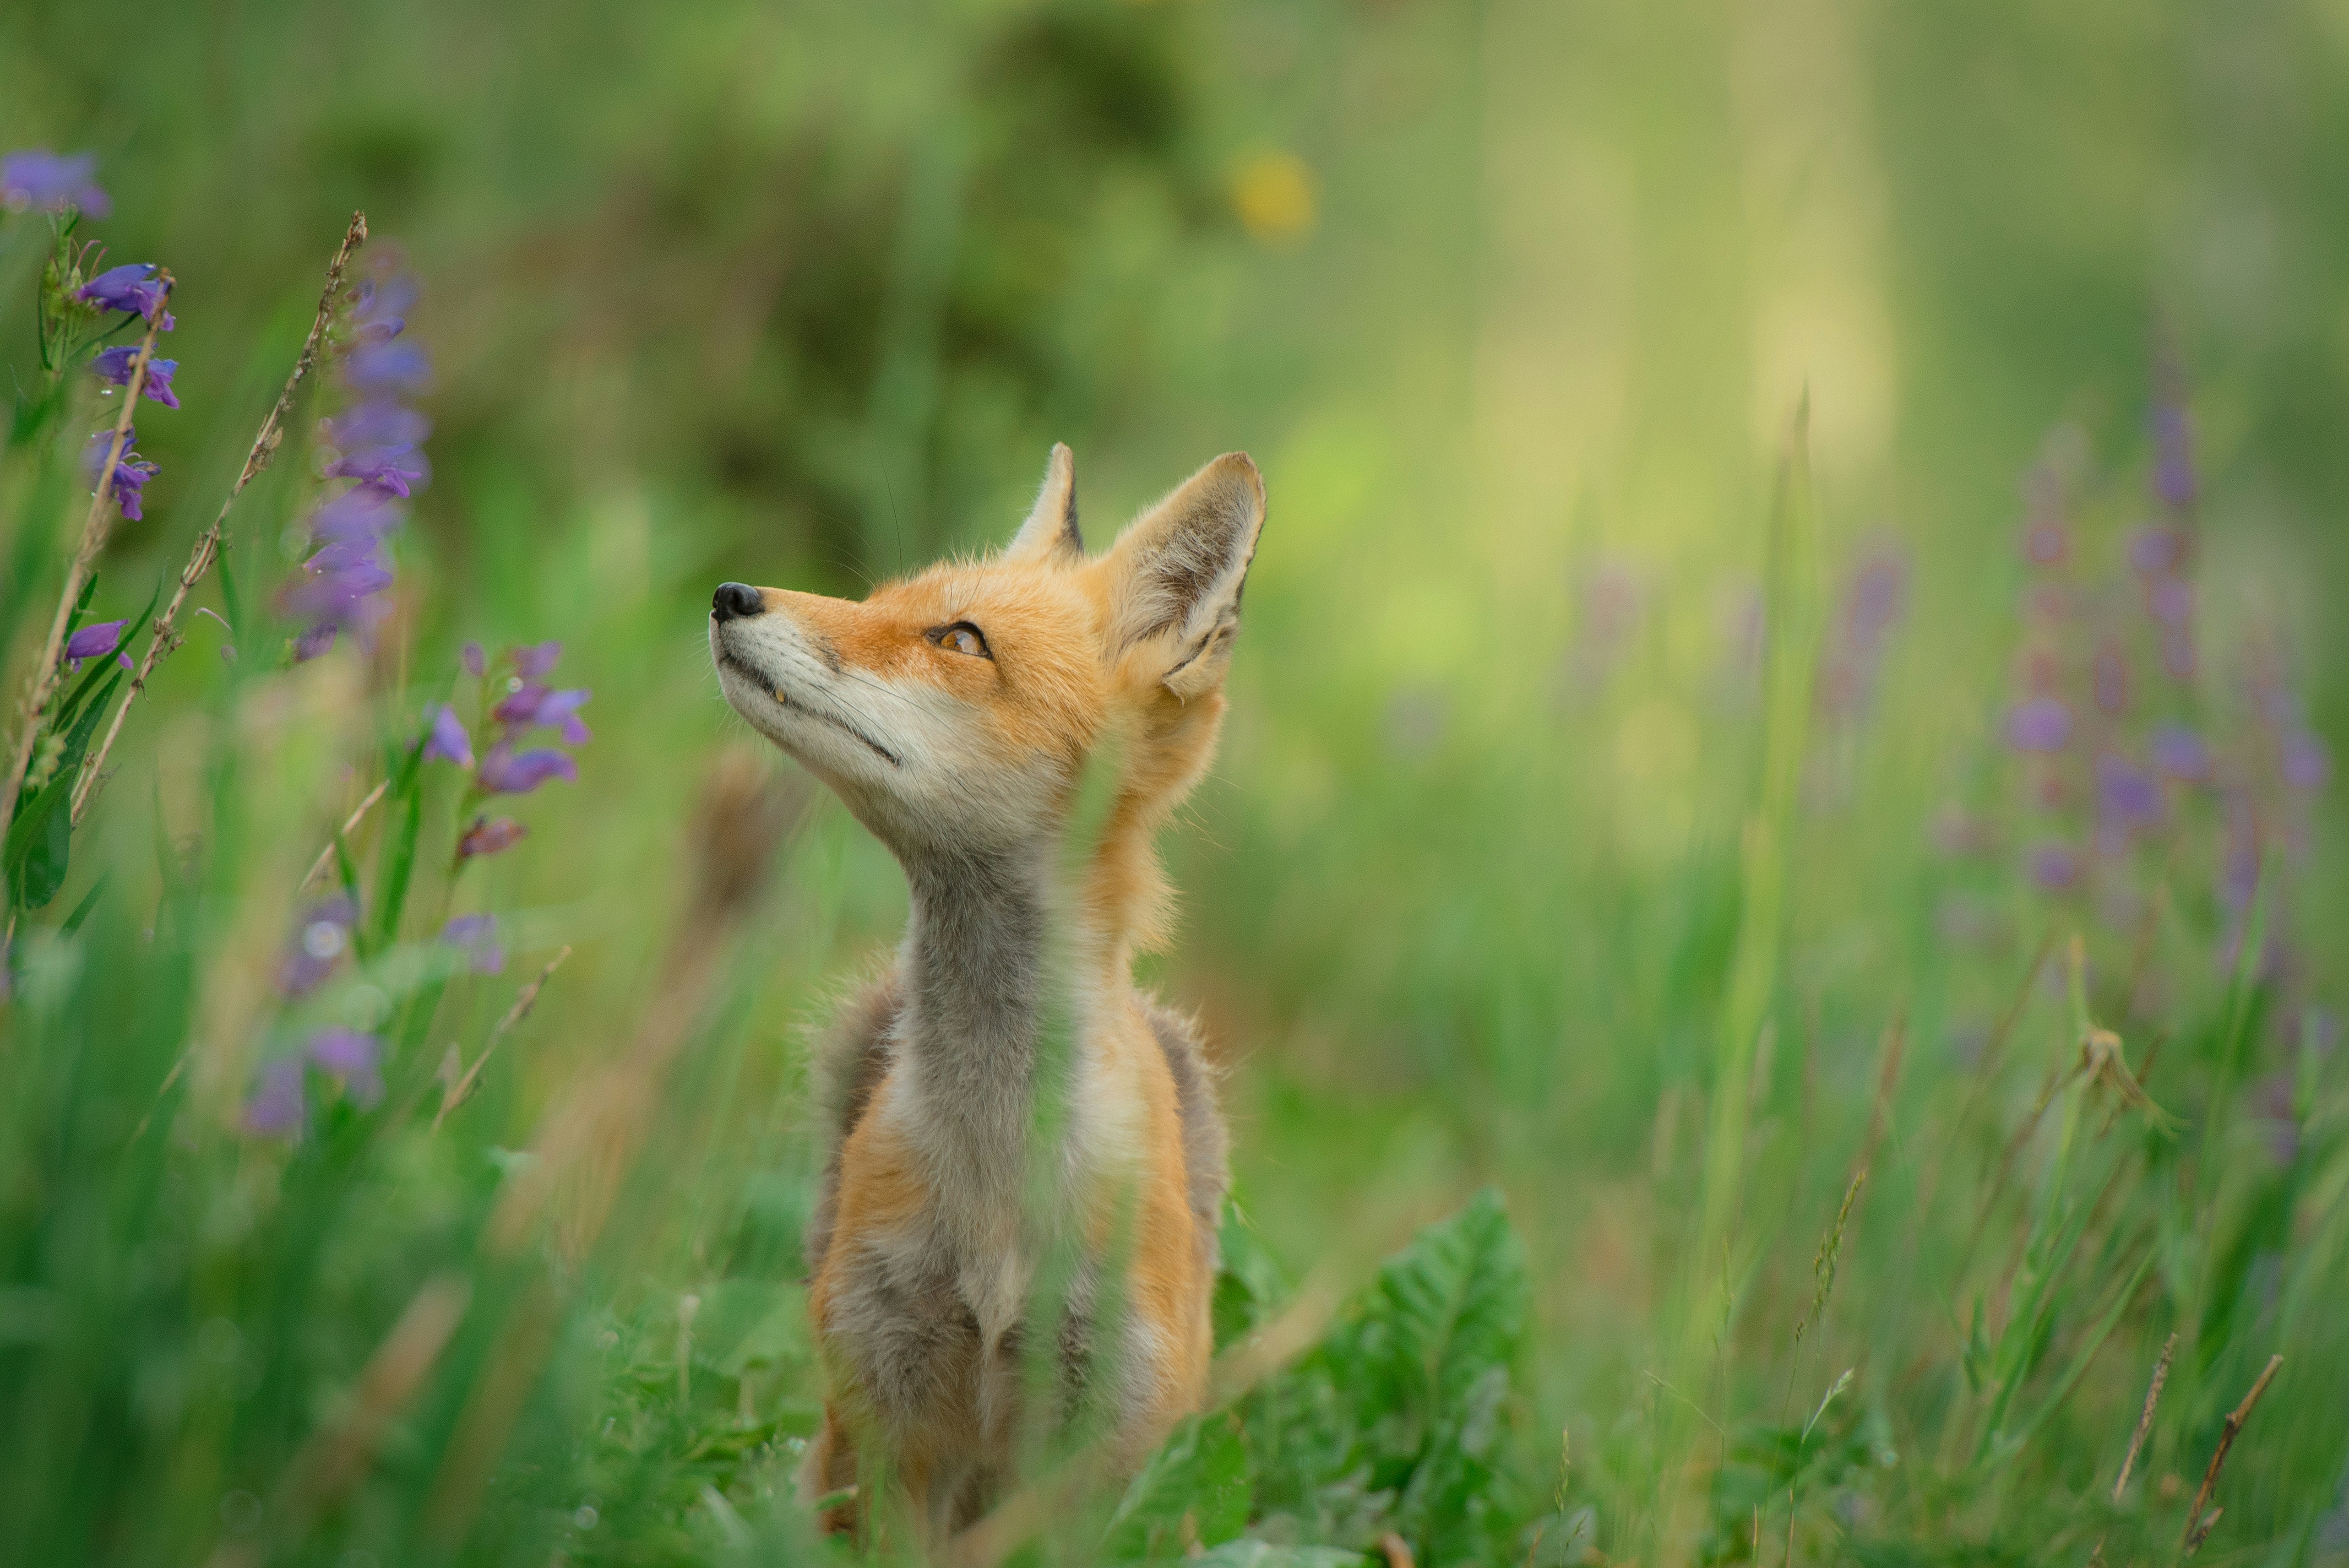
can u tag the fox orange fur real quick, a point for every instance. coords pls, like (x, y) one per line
(955, 712)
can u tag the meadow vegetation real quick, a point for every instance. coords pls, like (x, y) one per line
(1764, 906)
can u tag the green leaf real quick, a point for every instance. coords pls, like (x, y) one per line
(399, 857)
(1199, 1475)
(89, 901)
(1247, 1553)
(39, 840)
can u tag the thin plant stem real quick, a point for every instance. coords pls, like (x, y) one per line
(94, 528)
(461, 1090)
(2198, 1528)
(208, 543)
(350, 823)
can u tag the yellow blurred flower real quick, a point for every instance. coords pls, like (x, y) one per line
(1273, 192)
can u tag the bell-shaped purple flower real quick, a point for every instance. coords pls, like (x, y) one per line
(315, 643)
(538, 706)
(2156, 551)
(505, 771)
(361, 512)
(276, 1109)
(2055, 866)
(38, 178)
(114, 364)
(135, 286)
(388, 368)
(476, 662)
(490, 836)
(534, 660)
(2039, 724)
(447, 740)
(377, 422)
(2126, 795)
(355, 1057)
(380, 307)
(131, 472)
(477, 936)
(2179, 752)
(396, 471)
(96, 641)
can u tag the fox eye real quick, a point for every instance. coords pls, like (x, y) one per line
(962, 638)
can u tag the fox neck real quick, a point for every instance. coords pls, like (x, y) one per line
(976, 986)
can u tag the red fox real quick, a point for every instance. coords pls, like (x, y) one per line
(954, 712)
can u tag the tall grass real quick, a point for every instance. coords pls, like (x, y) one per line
(1682, 1111)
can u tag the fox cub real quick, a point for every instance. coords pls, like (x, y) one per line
(954, 713)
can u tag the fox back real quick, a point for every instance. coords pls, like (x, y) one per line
(955, 712)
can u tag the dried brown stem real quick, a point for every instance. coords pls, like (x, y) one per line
(2198, 1529)
(350, 825)
(208, 544)
(94, 528)
(462, 1090)
(2144, 1421)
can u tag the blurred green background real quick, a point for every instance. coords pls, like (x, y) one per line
(1515, 305)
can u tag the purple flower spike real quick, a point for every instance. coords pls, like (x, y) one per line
(490, 836)
(448, 741)
(134, 287)
(37, 178)
(536, 659)
(2040, 724)
(379, 422)
(388, 368)
(2180, 753)
(505, 771)
(114, 366)
(353, 1056)
(2173, 467)
(2055, 866)
(275, 1110)
(96, 642)
(362, 512)
(399, 470)
(2307, 764)
(475, 663)
(477, 936)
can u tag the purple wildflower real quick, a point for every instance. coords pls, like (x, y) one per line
(399, 470)
(2126, 795)
(96, 641)
(135, 286)
(37, 178)
(2155, 551)
(537, 707)
(2173, 463)
(275, 1110)
(2055, 866)
(377, 422)
(380, 314)
(131, 471)
(536, 659)
(361, 512)
(448, 741)
(2039, 724)
(476, 665)
(334, 592)
(388, 368)
(114, 364)
(504, 772)
(2170, 600)
(317, 641)
(477, 936)
(2179, 752)
(490, 836)
(353, 1056)
(2307, 764)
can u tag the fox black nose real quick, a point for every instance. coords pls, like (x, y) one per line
(734, 601)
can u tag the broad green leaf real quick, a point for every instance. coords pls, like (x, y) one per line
(1200, 1475)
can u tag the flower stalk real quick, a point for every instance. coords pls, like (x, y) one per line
(95, 527)
(208, 544)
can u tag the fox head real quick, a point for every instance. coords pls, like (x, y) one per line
(953, 710)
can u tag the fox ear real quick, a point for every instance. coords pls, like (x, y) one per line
(1051, 528)
(1175, 576)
